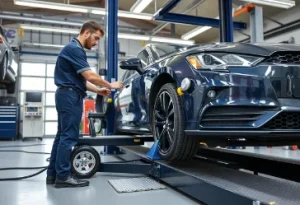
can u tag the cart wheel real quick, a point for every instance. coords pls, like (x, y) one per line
(85, 162)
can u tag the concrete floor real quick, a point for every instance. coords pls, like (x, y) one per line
(34, 191)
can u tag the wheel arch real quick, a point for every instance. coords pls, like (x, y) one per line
(164, 76)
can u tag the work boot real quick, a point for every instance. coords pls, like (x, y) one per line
(50, 179)
(71, 182)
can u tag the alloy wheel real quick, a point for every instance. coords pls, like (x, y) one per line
(164, 122)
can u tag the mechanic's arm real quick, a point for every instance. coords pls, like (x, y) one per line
(95, 79)
(91, 87)
(99, 91)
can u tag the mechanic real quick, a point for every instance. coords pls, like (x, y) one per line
(73, 77)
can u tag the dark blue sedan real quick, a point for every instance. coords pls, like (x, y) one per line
(220, 94)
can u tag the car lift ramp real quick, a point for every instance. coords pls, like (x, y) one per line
(214, 183)
(117, 140)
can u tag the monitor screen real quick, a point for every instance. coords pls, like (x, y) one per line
(33, 97)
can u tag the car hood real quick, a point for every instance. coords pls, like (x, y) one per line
(260, 49)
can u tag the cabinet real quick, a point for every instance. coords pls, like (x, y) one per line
(9, 122)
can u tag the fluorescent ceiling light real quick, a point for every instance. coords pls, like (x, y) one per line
(142, 16)
(98, 11)
(120, 35)
(133, 36)
(43, 45)
(38, 20)
(171, 40)
(50, 5)
(81, 9)
(49, 29)
(126, 14)
(195, 32)
(140, 5)
(286, 4)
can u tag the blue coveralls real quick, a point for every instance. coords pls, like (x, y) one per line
(71, 61)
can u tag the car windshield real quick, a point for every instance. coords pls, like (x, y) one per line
(166, 49)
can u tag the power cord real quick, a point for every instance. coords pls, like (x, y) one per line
(44, 168)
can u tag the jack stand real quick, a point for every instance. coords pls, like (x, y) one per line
(153, 152)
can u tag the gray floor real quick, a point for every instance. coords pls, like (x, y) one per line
(34, 191)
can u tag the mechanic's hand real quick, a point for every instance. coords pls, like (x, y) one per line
(103, 91)
(116, 85)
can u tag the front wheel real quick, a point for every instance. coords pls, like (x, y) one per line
(168, 126)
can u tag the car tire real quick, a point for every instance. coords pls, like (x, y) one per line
(10, 88)
(3, 67)
(78, 168)
(173, 144)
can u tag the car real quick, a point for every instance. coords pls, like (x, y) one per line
(8, 65)
(219, 94)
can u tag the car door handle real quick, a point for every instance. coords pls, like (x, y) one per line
(127, 86)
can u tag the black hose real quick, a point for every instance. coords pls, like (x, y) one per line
(44, 168)
(24, 177)
(31, 145)
(25, 151)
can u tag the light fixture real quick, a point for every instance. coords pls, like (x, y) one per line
(142, 16)
(140, 5)
(49, 29)
(38, 20)
(81, 9)
(43, 45)
(50, 5)
(125, 14)
(171, 40)
(133, 37)
(98, 11)
(195, 32)
(286, 4)
(120, 35)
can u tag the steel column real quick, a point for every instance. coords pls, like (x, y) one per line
(112, 60)
(256, 25)
(226, 22)
(197, 20)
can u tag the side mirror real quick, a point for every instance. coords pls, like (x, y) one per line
(132, 64)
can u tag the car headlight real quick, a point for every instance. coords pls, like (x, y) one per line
(222, 60)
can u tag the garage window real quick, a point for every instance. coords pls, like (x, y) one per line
(31, 83)
(33, 69)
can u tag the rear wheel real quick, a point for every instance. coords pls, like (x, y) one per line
(168, 126)
(3, 67)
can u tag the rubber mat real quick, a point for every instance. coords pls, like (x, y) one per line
(137, 184)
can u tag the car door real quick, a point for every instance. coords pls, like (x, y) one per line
(123, 99)
(139, 102)
(131, 112)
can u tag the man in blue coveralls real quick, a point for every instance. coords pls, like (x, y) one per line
(73, 77)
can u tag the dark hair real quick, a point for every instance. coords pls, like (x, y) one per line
(92, 26)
